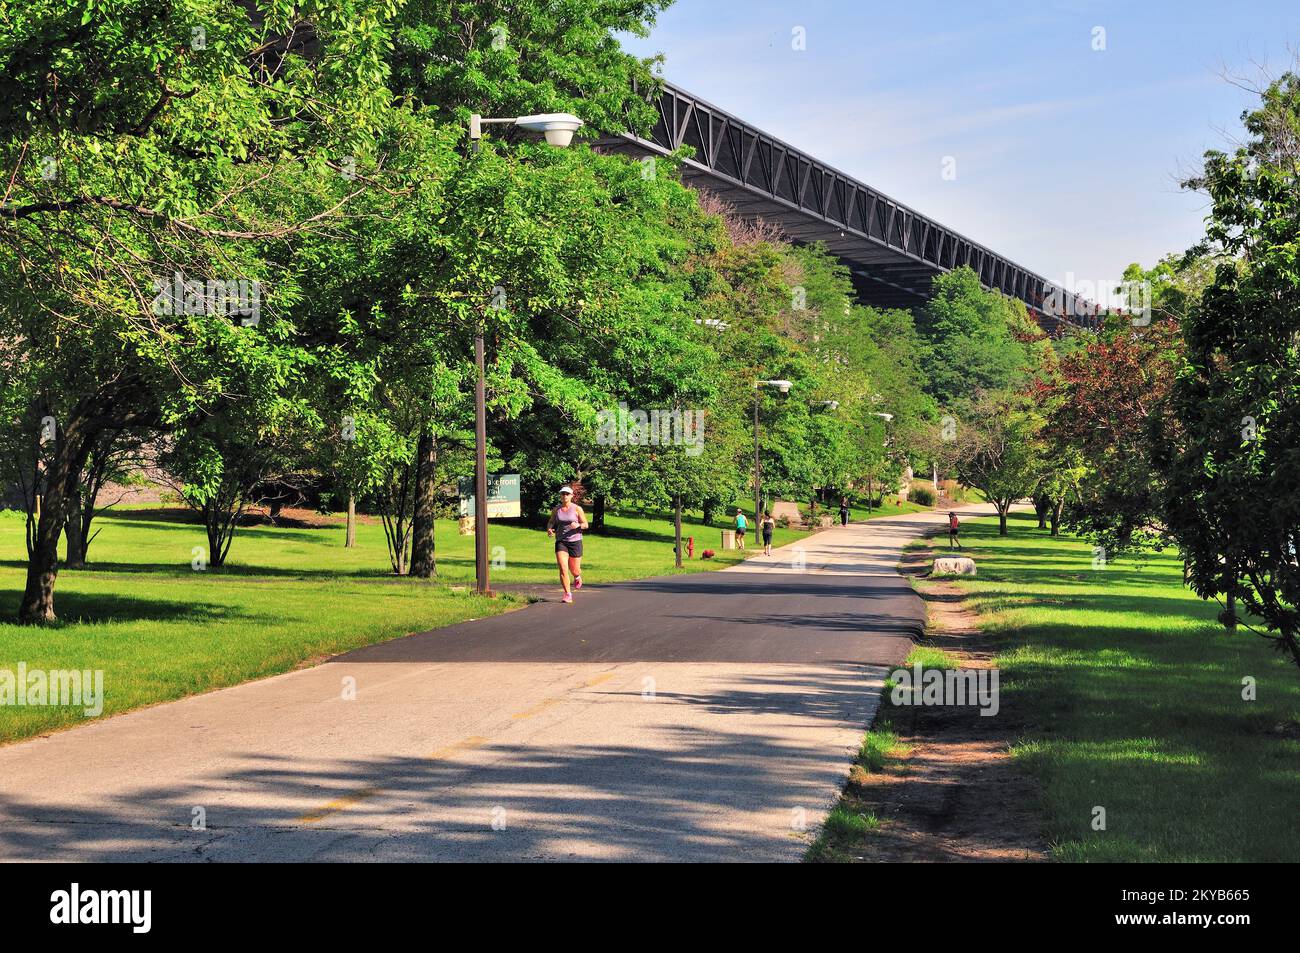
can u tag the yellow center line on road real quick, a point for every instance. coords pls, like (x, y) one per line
(537, 709)
(548, 702)
(465, 744)
(340, 804)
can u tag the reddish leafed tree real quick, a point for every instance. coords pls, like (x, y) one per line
(743, 230)
(1110, 400)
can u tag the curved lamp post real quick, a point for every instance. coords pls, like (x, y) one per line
(558, 128)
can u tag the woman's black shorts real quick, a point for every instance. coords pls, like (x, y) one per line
(571, 546)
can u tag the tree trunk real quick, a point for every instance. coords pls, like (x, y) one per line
(221, 518)
(88, 485)
(1042, 506)
(677, 527)
(74, 537)
(350, 538)
(37, 606)
(423, 558)
(1230, 577)
(1056, 517)
(1002, 518)
(598, 513)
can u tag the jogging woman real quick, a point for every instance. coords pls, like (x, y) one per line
(767, 526)
(566, 524)
(741, 526)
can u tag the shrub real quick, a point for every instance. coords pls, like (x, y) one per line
(921, 495)
(953, 490)
(783, 521)
(707, 554)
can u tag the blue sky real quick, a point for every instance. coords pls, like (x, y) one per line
(1067, 158)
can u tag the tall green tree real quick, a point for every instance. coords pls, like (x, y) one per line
(975, 339)
(1231, 497)
(535, 56)
(145, 141)
(998, 448)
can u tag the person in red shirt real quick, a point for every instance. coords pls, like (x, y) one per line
(953, 526)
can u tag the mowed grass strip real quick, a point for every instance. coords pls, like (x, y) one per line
(1135, 694)
(853, 817)
(160, 630)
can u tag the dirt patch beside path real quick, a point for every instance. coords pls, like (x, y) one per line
(949, 789)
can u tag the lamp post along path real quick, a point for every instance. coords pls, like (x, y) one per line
(784, 387)
(558, 130)
(480, 471)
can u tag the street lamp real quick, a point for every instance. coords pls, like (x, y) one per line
(887, 418)
(784, 387)
(831, 405)
(558, 128)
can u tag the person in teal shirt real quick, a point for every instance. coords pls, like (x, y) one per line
(741, 526)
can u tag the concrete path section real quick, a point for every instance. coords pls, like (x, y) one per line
(708, 717)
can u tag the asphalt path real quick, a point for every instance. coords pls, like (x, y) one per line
(711, 716)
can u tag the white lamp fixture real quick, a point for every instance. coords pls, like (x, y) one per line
(558, 128)
(782, 386)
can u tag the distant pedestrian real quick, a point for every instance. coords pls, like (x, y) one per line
(953, 527)
(741, 526)
(844, 511)
(767, 525)
(566, 524)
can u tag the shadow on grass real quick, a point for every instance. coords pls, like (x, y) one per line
(1134, 696)
(76, 608)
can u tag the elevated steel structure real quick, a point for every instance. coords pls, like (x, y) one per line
(892, 250)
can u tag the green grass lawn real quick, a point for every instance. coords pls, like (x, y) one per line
(1135, 695)
(859, 511)
(160, 630)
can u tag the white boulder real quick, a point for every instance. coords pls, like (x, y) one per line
(953, 566)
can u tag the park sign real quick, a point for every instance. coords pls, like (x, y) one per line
(502, 493)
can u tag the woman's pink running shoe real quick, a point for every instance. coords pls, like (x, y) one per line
(577, 582)
(567, 597)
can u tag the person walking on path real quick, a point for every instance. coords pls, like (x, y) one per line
(953, 526)
(741, 526)
(566, 524)
(844, 511)
(767, 525)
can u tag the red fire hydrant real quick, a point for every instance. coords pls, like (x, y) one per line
(690, 547)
